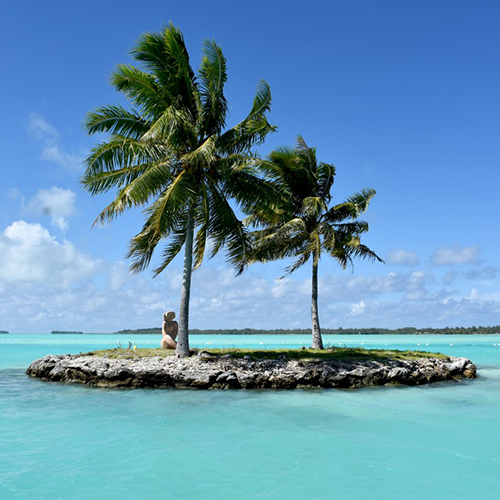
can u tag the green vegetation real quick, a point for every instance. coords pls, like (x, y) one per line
(62, 332)
(298, 222)
(132, 353)
(170, 154)
(4, 331)
(459, 330)
(339, 354)
(142, 331)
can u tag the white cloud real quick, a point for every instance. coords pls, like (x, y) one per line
(448, 256)
(31, 255)
(40, 128)
(434, 312)
(348, 288)
(138, 301)
(69, 161)
(46, 284)
(357, 309)
(402, 258)
(45, 133)
(55, 202)
(283, 288)
(118, 276)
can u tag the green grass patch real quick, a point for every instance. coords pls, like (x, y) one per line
(132, 353)
(337, 353)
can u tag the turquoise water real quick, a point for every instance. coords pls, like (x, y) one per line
(74, 442)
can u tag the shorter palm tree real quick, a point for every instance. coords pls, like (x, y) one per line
(298, 223)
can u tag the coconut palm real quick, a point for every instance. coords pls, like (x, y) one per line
(298, 223)
(170, 154)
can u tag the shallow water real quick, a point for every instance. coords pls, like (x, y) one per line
(69, 442)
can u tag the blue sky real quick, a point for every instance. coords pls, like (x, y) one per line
(401, 96)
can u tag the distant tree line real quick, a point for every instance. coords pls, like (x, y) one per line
(140, 331)
(4, 331)
(62, 332)
(458, 330)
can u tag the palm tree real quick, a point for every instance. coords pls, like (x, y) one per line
(169, 152)
(298, 223)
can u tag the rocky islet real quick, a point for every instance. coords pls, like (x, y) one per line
(214, 371)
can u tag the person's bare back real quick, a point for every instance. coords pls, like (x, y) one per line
(169, 331)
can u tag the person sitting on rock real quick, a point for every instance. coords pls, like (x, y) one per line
(169, 331)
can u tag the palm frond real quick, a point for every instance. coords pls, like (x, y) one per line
(116, 120)
(166, 217)
(254, 128)
(313, 207)
(279, 242)
(262, 101)
(212, 76)
(226, 230)
(184, 78)
(174, 127)
(142, 247)
(170, 207)
(203, 220)
(101, 182)
(306, 154)
(115, 208)
(356, 228)
(299, 262)
(176, 242)
(352, 208)
(342, 255)
(121, 160)
(202, 157)
(325, 178)
(166, 56)
(315, 246)
(136, 192)
(362, 199)
(241, 181)
(142, 89)
(341, 212)
(150, 50)
(363, 252)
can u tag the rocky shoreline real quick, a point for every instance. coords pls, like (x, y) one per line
(208, 371)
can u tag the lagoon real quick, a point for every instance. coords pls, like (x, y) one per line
(69, 441)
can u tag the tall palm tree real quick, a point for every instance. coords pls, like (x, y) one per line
(169, 152)
(297, 221)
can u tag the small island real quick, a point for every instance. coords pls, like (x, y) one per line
(341, 368)
(3, 331)
(63, 332)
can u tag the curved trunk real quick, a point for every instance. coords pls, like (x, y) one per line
(317, 341)
(183, 337)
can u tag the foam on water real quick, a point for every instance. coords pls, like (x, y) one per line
(68, 441)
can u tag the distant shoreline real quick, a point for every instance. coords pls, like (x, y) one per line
(487, 330)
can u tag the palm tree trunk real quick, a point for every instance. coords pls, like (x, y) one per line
(317, 342)
(183, 337)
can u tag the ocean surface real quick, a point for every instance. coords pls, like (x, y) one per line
(439, 441)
